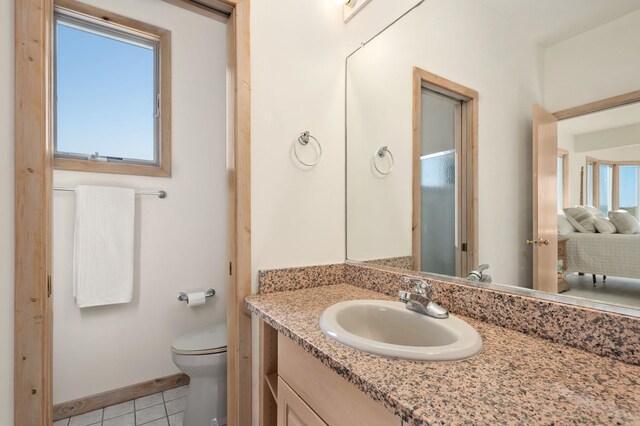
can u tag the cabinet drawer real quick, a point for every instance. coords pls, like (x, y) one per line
(292, 410)
(335, 400)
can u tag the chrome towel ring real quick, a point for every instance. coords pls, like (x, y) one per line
(382, 153)
(303, 139)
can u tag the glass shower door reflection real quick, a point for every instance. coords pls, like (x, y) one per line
(438, 217)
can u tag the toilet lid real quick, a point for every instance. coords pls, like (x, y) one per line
(210, 339)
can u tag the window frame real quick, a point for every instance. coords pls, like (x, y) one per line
(615, 179)
(108, 22)
(563, 154)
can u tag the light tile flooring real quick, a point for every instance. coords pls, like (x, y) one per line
(160, 409)
(619, 291)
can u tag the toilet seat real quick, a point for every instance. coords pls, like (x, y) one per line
(205, 341)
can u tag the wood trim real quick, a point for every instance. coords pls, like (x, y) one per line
(293, 410)
(461, 160)
(333, 398)
(163, 37)
(449, 86)
(239, 380)
(206, 11)
(468, 217)
(33, 177)
(127, 24)
(115, 168)
(596, 179)
(472, 180)
(615, 191)
(615, 101)
(166, 120)
(117, 396)
(566, 187)
(267, 374)
(415, 161)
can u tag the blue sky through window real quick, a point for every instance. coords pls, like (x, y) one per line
(629, 181)
(105, 95)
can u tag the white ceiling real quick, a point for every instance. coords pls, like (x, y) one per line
(550, 22)
(602, 120)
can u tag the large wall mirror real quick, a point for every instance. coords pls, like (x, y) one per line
(503, 133)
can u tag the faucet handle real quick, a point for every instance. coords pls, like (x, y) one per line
(420, 285)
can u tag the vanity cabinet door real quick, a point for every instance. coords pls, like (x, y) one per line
(292, 410)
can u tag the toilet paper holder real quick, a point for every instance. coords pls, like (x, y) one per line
(182, 296)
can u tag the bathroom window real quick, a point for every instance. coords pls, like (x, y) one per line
(111, 93)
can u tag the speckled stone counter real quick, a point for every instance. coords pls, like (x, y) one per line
(516, 379)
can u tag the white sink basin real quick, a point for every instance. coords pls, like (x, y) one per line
(390, 329)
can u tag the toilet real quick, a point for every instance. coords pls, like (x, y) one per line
(202, 355)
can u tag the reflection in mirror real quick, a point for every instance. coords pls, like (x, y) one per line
(602, 265)
(477, 178)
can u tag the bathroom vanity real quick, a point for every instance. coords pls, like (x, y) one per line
(307, 378)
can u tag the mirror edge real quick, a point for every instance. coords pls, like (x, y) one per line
(511, 290)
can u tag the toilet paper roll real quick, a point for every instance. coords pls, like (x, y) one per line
(196, 298)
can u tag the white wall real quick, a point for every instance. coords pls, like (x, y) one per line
(370, 20)
(604, 139)
(454, 39)
(598, 64)
(180, 242)
(297, 83)
(6, 211)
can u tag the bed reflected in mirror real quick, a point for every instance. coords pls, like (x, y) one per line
(598, 194)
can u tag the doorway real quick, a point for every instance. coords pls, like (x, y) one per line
(444, 169)
(585, 165)
(33, 206)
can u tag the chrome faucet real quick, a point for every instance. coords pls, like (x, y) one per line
(418, 301)
(477, 275)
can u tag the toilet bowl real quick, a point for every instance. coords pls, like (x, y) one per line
(202, 355)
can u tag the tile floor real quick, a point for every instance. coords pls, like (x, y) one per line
(160, 409)
(618, 291)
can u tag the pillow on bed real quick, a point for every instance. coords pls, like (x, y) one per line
(581, 219)
(624, 222)
(564, 226)
(593, 210)
(605, 226)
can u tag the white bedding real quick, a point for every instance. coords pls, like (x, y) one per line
(616, 255)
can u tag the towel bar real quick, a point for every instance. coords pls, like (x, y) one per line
(159, 194)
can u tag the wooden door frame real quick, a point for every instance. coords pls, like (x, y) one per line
(566, 190)
(468, 160)
(33, 321)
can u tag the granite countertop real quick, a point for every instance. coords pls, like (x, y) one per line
(516, 379)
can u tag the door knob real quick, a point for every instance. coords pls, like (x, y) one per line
(545, 242)
(532, 242)
(540, 242)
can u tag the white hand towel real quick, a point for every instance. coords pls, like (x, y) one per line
(103, 245)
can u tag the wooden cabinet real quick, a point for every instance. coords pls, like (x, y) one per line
(292, 410)
(296, 389)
